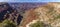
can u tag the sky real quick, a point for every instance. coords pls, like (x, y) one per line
(29, 0)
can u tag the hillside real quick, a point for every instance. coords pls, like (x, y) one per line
(25, 14)
(48, 14)
(13, 13)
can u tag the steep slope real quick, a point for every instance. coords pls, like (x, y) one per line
(48, 14)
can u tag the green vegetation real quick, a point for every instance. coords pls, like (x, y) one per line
(57, 17)
(39, 24)
(7, 23)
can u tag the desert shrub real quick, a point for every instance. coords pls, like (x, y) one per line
(7, 23)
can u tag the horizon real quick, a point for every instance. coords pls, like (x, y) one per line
(30, 1)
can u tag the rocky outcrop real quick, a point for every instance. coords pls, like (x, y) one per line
(7, 12)
(4, 7)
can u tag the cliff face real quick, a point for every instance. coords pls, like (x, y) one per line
(15, 11)
(7, 12)
(4, 7)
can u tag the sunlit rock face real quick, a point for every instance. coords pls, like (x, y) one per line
(48, 14)
(56, 23)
